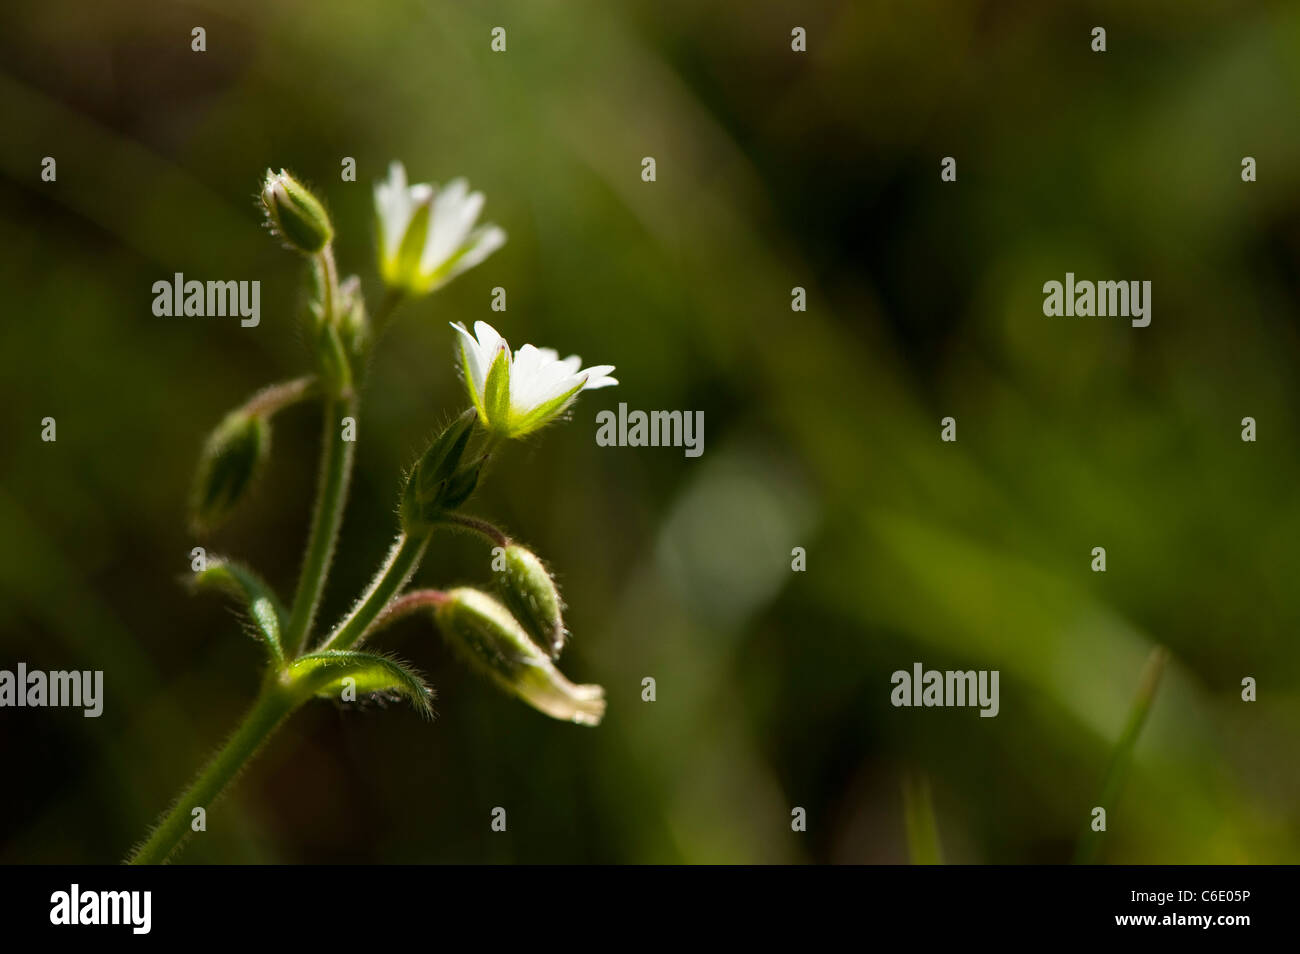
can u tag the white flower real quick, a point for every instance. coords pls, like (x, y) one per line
(517, 394)
(426, 234)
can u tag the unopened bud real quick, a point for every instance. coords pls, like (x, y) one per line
(296, 215)
(354, 324)
(494, 642)
(530, 593)
(439, 483)
(230, 462)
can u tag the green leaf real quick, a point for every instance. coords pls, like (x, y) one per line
(264, 609)
(323, 674)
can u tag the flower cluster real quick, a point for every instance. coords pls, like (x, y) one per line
(427, 235)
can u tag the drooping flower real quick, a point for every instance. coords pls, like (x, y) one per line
(517, 394)
(427, 234)
(491, 639)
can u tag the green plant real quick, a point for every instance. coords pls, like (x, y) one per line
(426, 237)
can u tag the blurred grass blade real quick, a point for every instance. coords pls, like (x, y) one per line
(262, 605)
(1122, 757)
(919, 821)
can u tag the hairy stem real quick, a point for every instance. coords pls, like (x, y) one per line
(490, 532)
(331, 495)
(406, 605)
(272, 706)
(402, 560)
(330, 283)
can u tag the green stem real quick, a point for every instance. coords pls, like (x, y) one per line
(406, 605)
(335, 471)
(489, 532)
(330, 283)
(1122, 757)
(402, 560)
(379, 321)
(272, 706)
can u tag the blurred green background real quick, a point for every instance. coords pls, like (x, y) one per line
(775, 169)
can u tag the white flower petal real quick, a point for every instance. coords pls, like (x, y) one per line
(393, 207)
(488, 339)
(474, 358)
(481, 243)
(449, 224)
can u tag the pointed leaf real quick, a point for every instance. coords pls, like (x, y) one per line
(322, 674)
(264, 609)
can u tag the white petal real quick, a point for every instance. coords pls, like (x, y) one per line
(527, 362)
(488, 339)
(393, 207)
(450, 225)
(474, 358)
(480, 244)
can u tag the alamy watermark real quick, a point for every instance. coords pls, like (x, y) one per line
(1087, 299)
(74, 907)
(83, 689)
(196, 299)
(651, 429)
(932, 687)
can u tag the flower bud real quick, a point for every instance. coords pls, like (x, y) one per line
(485, 633)
(438, 483)
(354, 323)
(530, 593)
(295, 214)
(230, 462)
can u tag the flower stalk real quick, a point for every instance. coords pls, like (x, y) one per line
(273, 705)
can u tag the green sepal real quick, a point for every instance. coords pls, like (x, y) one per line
(438, 483)
(542, 414)
(496, 391)
(443, 456)
(405, 270)
(354, 322)
(529, 591)
(332, 359)
(295, 214)
(461, 485)
(486, 635)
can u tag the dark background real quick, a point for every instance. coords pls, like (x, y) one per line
(775, 169)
